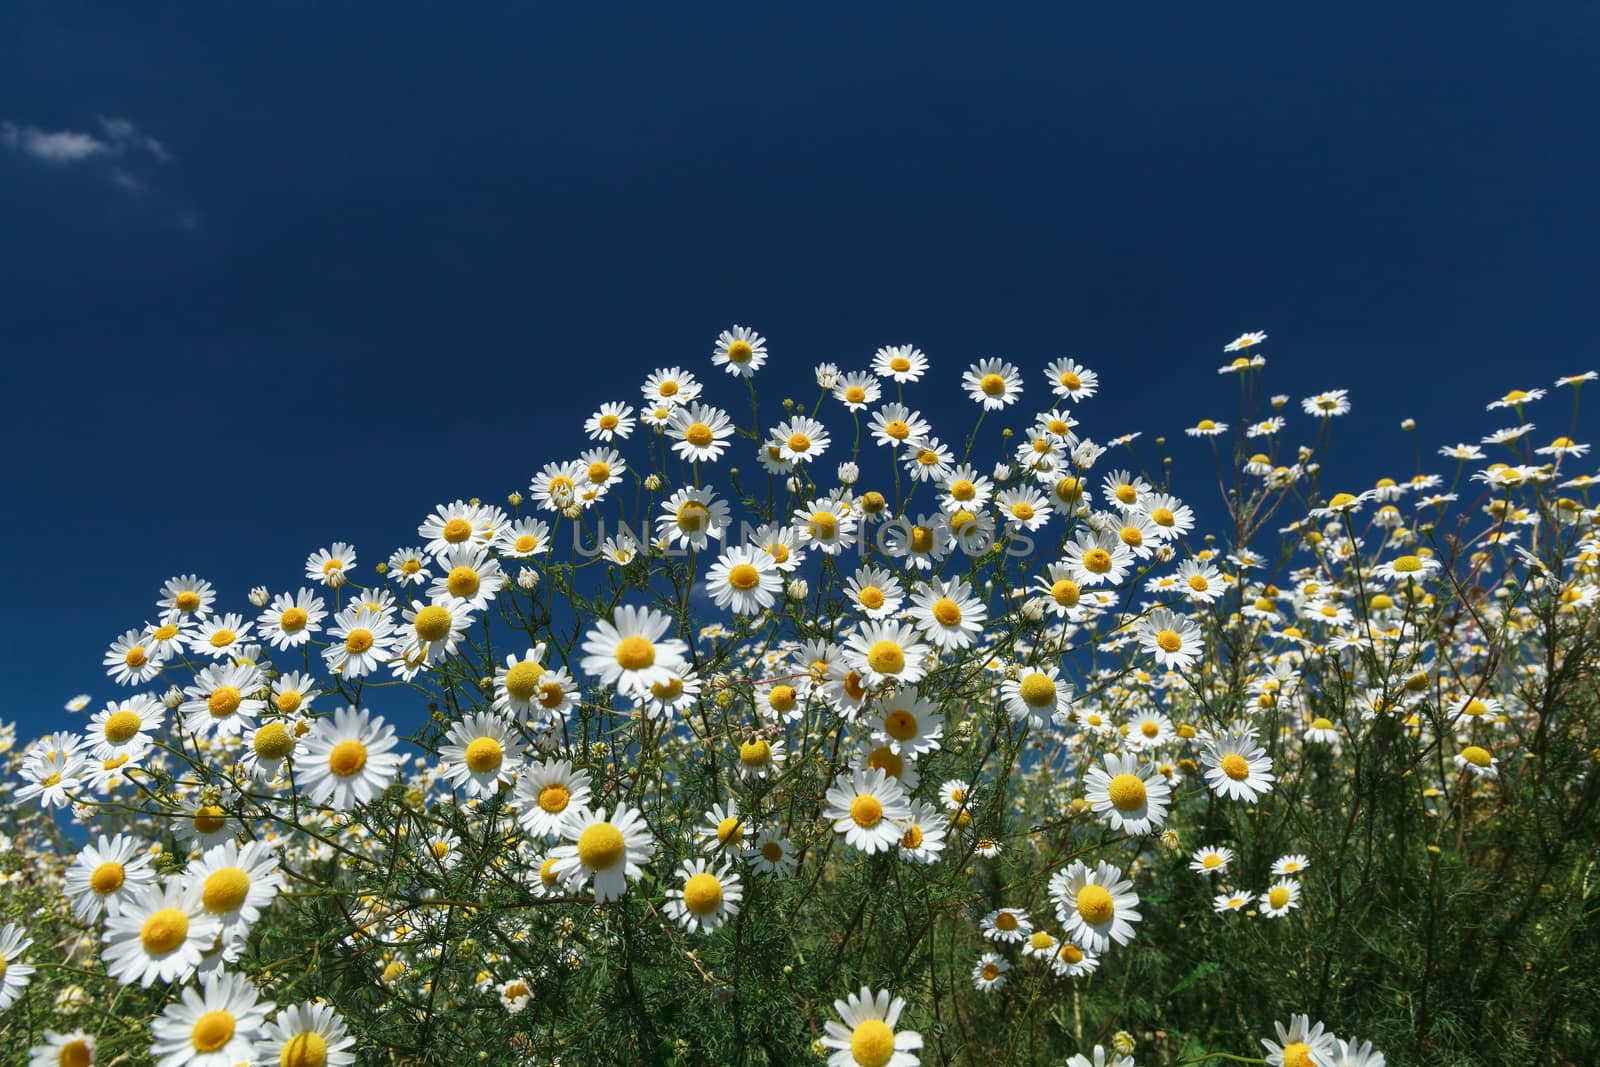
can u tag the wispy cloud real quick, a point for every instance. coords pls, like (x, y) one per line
(116, 138)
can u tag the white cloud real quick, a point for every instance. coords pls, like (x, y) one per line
(118, 137)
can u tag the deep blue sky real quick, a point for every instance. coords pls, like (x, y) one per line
(388, 255)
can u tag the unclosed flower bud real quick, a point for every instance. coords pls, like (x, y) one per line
(528, 578)
(848, 473)
(798, 589)
(652, 482)
(1122, 1041)
(259, 596)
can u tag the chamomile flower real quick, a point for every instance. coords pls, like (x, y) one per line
(606, 852)
(123, 727)
(866, 807)
(1301, 1044)
(546, 793)
(1130, 796)
(760, 757)
(15, 976)
(856, 391)
(827, 524)
(632, 651)
(1071, 380)
(132, 660)
(215, 1026)
(290, 620)
(1211, 860)
(1236, 766)
(706, 897)
(223, 700)
(348, 759)
(189, 596)
(1008, 926)
(989, 973)
(1096, 905)
(236, 884)
(1093, 559)
(1280, 898)
(1353, 1053)
(479, 754)
(106, 873)
(1098, 1056)
(867, 1037)
(993, 383)
(524, 538)
(886, 651)
(1023, 508)
(740, 351)
(896, 424)
(1477, 761)
(219, 636)
(1327, 405)
(331, 565)
(1174, 640)
(700, 432)
(670, 387)
(1037, 695)
(430, 632)
(772, 853)
(923, 833)
(902, 363)
(72, 1049)
(692, 518)
(800, 439)
(307, 1035)
(158, 935)
(927, 459)
(745, 580)
(948, 614)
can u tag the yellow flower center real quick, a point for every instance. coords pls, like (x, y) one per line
(866, 810)
(886, 657)
(730, 831)
(134, 656)
(1277, 896)
(211, 1031)
(1070, 953)
(1005, 921)
(1198, 583)
(872, 1043)
(772, 852)
(855, 394)
(433, 623)
(743, 576)
(289, 701)
(522, 680)
(165, 633)
(1064, 592)
(1163, 517)
(551, 694)
(1211, 861)
(698, 434)
(992, 385)
(1150, 728)
(1477, 756)
(553, 798)
(272, 742)
(740, 352)
(225, 890)
(292, 621)
(799, 442)
(921, 539)
(755, 753)
(899, 364)
(462, 582)
(1407, 565)
(599, 472)
(187, 600)
(1022, 511)
(122, 727)
(1298, 1054)
(1131, 536)
(347, 758)
(223, 701)
(305, 1049)
(164, 931)
(702, 894)
(1126, 493)
(781, 697)
(73, 1053)
(912, 838)
(947, 611)
(854, 686)
(547, 871)
(1070, 380)
(1169, 640)
(1127, 792)
(107, 878)
(635, 653)
(358, 641)
(457, 531)
(900, 725)
(961, 520)
(871, 597)
(1235, 766)
(601, 847)
(222, 638)
(927, 457)
(888, 762)
(1097, 561)
(1095, 905)
(824, 525)
(899, 429)
(1038, 690)
(484, 755)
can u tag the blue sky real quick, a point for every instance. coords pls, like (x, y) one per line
(296, 275)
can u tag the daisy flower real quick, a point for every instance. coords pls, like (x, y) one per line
(1096, 905)
(525, 537)
(123, 727)
(106, 873)
(856, 391)
(867, 1037)
(896, 424)
(989, 973)
(800, 439)
(631, 652)
(1092, 559)
(949, 615)
(307, 1035)
(158, 935)
(928, 460)
(772, 853)
(1278, 900)
(745, 580)
(478, 754)
(470, 577)
(219, 636)
(1290, 865)
(993, 383)
(1236, 767)
(132, 661)
(1023, 508)
(1301, 1044)
(1327, 405)
(1071, 380)
(740, 351)
(670, 387)
(14, 974)
(1008, 926)
(214, 1026)
(363, 639)
(236, 884)
(546, 792)
(902, 363)
(692, 518)
(289, 621)
(759, 757)
(1129, 796)
(700, 432)
(73, 1049)
(1037, 695)
(908, 724)
(348, 759)
(408, 566)
(922, 835)
(612, 421)
(1100, 1058)
(886, 651)
(1478, 761)
(516, 684)
(707, 897)
(331, 565)
(555, 487)
(826, 524)
(1351, 1054)
(606, 852)
(1211, 860)
(1229, 901)
(866, 806)
(1245, 340)
(1172, 639)
(875, 591)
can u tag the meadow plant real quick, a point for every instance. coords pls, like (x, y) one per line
(815, 732)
